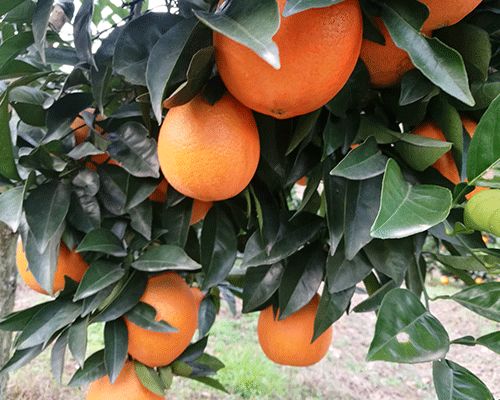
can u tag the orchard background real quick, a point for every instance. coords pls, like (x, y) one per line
(307, 163)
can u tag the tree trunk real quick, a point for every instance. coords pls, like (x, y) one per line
(8, 276)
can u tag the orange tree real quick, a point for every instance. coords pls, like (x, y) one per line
(150, 169)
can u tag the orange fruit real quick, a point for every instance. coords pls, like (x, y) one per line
(447, 12)
(318, 51)
(386, 63)
(478, 280)
(446, 164)
(288, 342)
(198, 295)
(81, 130)
(207, 152)
(444, 280)
(126, 387)
(302, 181)
(69, 263)
(199, 210)
(174, 303)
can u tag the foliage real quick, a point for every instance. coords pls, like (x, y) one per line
(378, 214)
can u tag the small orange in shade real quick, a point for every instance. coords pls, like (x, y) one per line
(444, 280)
(302, 181)
(288, 342)
(199, 210)
(446, 164)
(81, 130)
(447, 12)
(174, 303)
(209, 152)
(386, 63)
(318, 50)
(126, 387)
(69, 263)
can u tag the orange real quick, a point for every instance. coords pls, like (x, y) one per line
(198, 295)
(199, 210)
(446, 164)
(81, 130)
(318, 51)
(174, 303)
(302, 181)
(69, 263)
(478, 280)
(444, 280)
(387, 63)
(126, 387)
(288, 342)
(447, 12)
(207, 152)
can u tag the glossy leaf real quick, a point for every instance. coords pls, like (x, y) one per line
(144, 315)
(165, 257)
(93, 369)
(391, 257)
(58, 355)
(150, 379)
(102, 241)
(342, 274)
(40, 24)
(406, 332)
(454, 382)
(297, 6)
(11, 207)
(482, 299)
(115, 348)
(7, 164)
(20, 358)
(100, 275)
(364, 162)
(77, 340)
(414, 87)
(12, 47)
(260, 284)
(251, 24)
(82, 32)
(405, 209)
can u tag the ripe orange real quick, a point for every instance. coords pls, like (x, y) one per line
(199, 210)
(288, 342)
(478, 280)
(444, 280)
(446, 164)
(318, 51)
(174, 303)
(198, 295)
(387, 63)
(81, 130)
(209, 152)
(447, 12)
(302, 181)
(69, 263)
(126, 387)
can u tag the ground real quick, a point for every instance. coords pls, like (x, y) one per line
(342, 375)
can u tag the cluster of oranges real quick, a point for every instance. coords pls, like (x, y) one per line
(211, 152)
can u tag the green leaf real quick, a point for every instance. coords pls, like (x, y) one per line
(301, 279)
(141, 219)
(18, 320)
(115, 348)
(197, 75)
(8, 167)
(391, 257)
(165, 257)
(365, 161)
(144, 315)
(82, 32)
(58, 355)
(11, 207)
(46, 207)
(213, 383)
(14, 46)
(414, 87)
(291, 236)
(170, 57)
(134, 150)
(47, 321)
(421, 152)
(331, 307)
(406, 332)
(260, 284)
(176, 220)
(372, 303)
(136, 42)
(473, 43)
(102, 241)
(115, 184)
(476, 262)
(484, 148)
(101, 274)
(40, 24)
(218, 247)
(441, 64)
(335, 193)
(21, 358)
(491, 341)
(296, 6)
(483, 299)
(93, 369)
(251, 24)
(454, 382)
(8, 5)
(150, 379)
(406, 209)
(77, 340)
(342, 274)
(304, 128)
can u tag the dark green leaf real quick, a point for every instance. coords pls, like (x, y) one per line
(303, 129)
(491, 341)
(343, 274)
(335, 193)
(20, 358)
(391, 257)
(414, 87)
(454, 382)
(218, 247)
(144, 315)
(165, 257)
(102, 241)
(260, 284)
(77, 340)
(483, 299)
(100, 275)
(406, 332)
(93, 370)
(297, 6)
(58, 355)
(406, 209)
(13, 46)
(301, 279)
(251, 24)
(115, 348)
(40, 24)
(331, 307)
(82, 32)
(150, 379)
(18, 320)
(11, 207)
(7, 164)
(372, 303)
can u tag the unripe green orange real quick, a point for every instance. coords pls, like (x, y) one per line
(482, 212)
